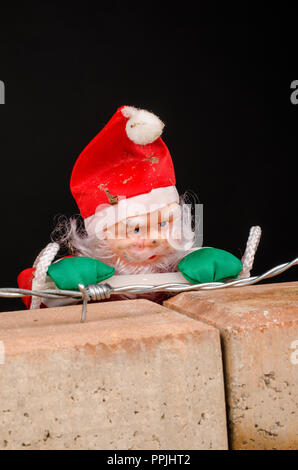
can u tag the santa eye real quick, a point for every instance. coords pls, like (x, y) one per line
(136, 229)
(163, 223)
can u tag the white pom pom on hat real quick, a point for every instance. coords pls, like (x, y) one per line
(142, 127)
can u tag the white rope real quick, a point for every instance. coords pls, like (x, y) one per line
(41, 265)
(250, 251)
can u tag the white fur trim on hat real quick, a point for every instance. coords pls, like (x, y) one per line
(107, 215)
(142, 126)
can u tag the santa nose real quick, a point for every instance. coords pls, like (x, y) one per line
(141, 243)
(146, 243)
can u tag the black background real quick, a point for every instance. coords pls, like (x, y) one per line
(220, 79)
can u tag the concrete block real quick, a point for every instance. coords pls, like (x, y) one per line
(259, 332)
(134, 376)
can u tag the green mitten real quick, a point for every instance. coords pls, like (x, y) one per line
(209, 265)
(69, 272)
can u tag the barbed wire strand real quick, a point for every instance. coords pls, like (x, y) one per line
(104, 291)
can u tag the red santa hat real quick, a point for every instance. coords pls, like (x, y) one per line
(125, 170)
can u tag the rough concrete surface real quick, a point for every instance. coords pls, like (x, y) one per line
(134, 376)
(259, 332)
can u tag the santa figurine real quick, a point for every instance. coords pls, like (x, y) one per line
(134, 220)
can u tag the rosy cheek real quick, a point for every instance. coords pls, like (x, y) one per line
(126, 243)
(121, 245)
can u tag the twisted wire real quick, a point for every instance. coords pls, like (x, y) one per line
(104, 291)
(208, 285)
(93, 292)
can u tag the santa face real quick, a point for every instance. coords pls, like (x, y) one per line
(143, 240)
(152, 242)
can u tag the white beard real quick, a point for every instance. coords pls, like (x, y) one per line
(93, 247)
(97, 248)
(101, 250)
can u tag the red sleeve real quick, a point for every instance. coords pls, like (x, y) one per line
(25, 279)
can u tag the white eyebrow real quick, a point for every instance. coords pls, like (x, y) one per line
(172, 212)
(136, 221)
(167, 215)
